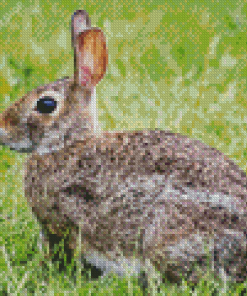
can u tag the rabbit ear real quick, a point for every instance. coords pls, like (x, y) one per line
(90, 57)
(80, 21)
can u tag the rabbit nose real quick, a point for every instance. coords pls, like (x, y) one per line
(4, 134)
(8, 119)
(2, 124)
(5, 122)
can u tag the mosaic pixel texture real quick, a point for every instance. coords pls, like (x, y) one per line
(147, 200)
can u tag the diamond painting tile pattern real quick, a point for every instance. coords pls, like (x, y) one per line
(146, 202)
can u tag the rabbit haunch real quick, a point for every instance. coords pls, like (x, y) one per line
(116, 193)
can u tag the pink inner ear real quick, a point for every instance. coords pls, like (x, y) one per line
(85, 76)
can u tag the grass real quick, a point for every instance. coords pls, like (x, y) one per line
(171, 65)
(21, 254)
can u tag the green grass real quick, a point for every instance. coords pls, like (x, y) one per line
(179, 66)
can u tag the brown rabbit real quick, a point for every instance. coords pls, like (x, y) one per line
(142, 200)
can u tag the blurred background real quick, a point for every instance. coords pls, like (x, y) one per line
(175, 65)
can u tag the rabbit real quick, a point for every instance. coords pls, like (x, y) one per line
(144, 203)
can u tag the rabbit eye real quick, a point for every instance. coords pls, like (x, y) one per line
(46, 105)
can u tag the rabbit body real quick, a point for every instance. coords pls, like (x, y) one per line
(134, 196)
(138, 197)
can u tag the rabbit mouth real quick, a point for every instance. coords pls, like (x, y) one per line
(25, 145)
(22, 149)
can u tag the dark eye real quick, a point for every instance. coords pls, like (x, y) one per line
(46, 105)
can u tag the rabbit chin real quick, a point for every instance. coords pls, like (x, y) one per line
(25, 146)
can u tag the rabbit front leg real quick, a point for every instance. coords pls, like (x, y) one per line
(149, 280)
(51, 244)
(43, 243)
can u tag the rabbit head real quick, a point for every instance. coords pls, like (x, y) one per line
(52, 115)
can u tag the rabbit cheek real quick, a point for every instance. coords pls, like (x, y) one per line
(35, 133)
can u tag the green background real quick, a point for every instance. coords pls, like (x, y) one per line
(178, 65)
